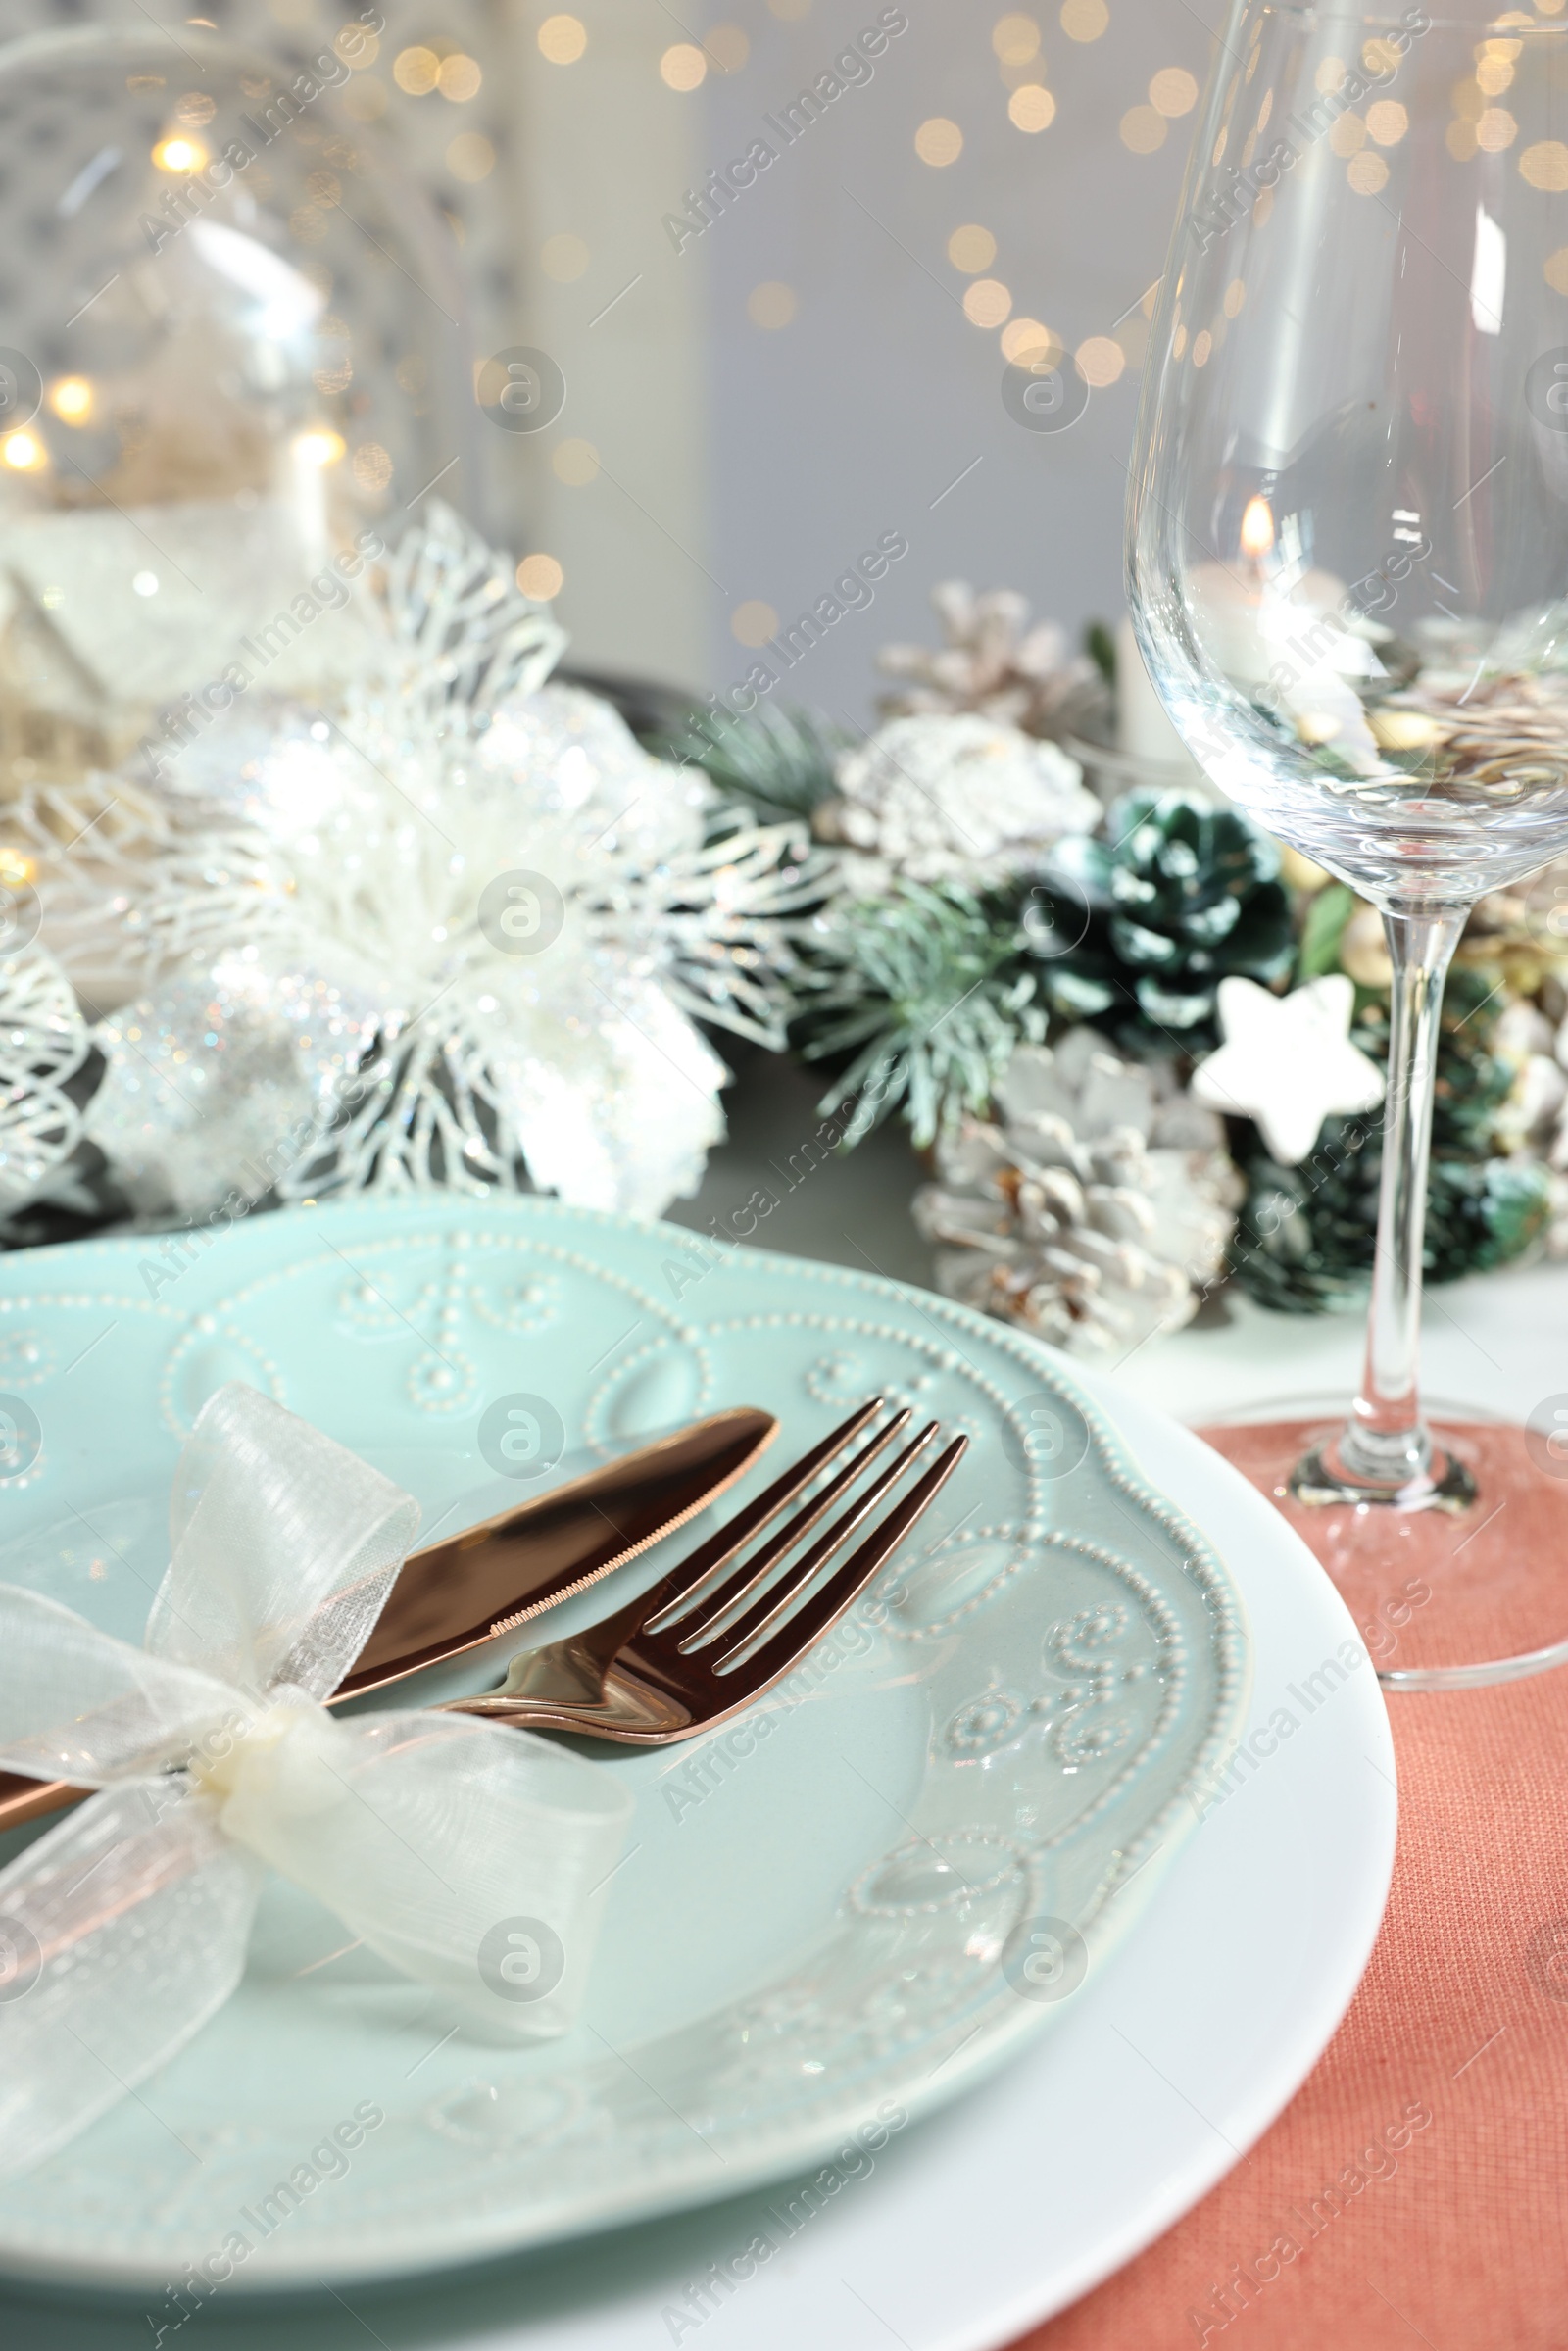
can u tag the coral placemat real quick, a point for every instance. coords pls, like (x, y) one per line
(1416, 2189)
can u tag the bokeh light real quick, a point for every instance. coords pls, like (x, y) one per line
(728, 47)
(1173, 92)
(1015, 40)
(1029, 342)
(417, 71)
(371, 465)
(972, 248)
(540, 577)
(1546, 165)
(471, 157)
(179, 154)
(938, 141)
(1084, 20)
(1142, 129)
(1031, 107)
(1101, 361)
(987, 303)
(575, 462)
(752, 622)
(562, 39)
(682, 67)
(459, 78)
(71, 399)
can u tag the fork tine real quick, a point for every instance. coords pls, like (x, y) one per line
(821, 1612)
(754, 1570)
(723, 1544)
(780, 1595)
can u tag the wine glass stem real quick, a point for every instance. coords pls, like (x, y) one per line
(1385, 1443)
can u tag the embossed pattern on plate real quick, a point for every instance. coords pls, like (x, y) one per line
(863, 1894)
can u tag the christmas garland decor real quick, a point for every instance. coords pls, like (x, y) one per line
(452, 922)
(1042, 998)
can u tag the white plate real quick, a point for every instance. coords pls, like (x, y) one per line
(985, 2219)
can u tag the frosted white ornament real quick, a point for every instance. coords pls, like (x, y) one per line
(1287, 1061)
(958, 799)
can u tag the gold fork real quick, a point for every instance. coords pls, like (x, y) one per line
(687, 1654)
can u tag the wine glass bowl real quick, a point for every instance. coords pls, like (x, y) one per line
(1348, 539)
(1350, 509)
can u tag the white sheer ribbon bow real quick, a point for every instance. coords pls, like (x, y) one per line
(472, 1856)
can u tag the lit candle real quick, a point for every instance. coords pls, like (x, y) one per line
(310, 453)
(1236, 611)
(1279, 634)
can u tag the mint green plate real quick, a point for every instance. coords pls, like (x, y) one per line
(863, 1896)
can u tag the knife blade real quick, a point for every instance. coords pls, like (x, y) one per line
(454, 1595)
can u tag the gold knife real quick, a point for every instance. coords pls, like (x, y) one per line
(454, 1595)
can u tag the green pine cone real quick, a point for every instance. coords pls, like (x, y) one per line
(1304, 1240)
(1305, 1235)
(1178, 897)
(1473, 1082)
(1479, 1218)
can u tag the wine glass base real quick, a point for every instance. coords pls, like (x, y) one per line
(1462, 1582)
(1317, 1482)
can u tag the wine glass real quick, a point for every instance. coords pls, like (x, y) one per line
(1348, 572)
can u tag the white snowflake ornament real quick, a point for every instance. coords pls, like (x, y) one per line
(455, 927)
(43, 1042)
(1288, 1062)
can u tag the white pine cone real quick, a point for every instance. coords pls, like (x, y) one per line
(1093, 1214)
(992, 662)
(951, 799)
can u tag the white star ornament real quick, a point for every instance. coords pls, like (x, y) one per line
(1287, 1061)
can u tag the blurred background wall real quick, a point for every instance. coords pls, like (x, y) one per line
(765, 380)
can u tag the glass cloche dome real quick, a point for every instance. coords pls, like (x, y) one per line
(231, 358)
